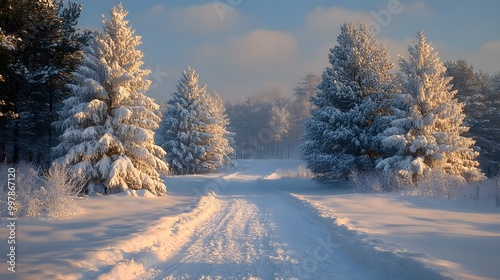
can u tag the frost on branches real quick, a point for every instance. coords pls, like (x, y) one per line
(426, 134)
(108, 122)
(346, 109)
(193, 130)
(279, 123)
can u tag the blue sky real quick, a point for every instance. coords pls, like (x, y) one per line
(246, 47)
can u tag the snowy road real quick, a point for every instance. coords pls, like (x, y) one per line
(258, 225)
(256, 232)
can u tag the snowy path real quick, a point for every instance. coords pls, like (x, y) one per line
(259, 226)
(257, 233)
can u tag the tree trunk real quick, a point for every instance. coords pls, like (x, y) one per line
(3, 137)
(15, 157)
(289, 148)
(49, 125)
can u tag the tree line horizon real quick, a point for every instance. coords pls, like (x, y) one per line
(64, 97)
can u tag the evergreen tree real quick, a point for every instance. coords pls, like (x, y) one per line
(464, 81)
(303, 93)
(477, 91)
(7, 108)
(301, 106)
(194, 128)
(262, 125)
(280, 122)
(108, 122)
(427, 136)
(48, 50)
(338, 137)
(249, 118)
(221, 144)
(490, 127)
(7, 44)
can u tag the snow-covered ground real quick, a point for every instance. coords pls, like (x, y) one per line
(248, 223)
(462, 242)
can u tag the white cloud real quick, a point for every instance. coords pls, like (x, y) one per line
(418, 8)
(239, 65)
(322, 21)
(262, 47)
(206, 18)
(487, 58)
(258, 48)
(248, 63)
(397, 48)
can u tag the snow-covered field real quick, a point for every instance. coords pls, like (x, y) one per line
(248, 223)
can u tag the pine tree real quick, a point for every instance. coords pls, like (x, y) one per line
(482, 106)
(220, 145)
(7, 108)
(303, 92)
(427, 136)
(249, 118)
(338, 136)
(301, 106)
(280, 122)
(7, 45)
(48, 50)
(108, 123)
(194, 128)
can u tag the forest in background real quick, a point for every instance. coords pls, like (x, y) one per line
(42, 47)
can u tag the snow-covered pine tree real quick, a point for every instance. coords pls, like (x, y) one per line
(482, 109)
(338, 136)
(193, 130)
(280, 122)
(108, 122)
(220, 145)
(427, 134)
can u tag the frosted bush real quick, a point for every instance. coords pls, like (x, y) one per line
(435, 184)
(28, 183)
(440, 184)
(51, 194)
(300, 172)
(63, 185)
(375, 182)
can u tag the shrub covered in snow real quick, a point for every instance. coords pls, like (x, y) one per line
(434, 184)
(301, 172)
(374, 182)
(51, 193)
(452, 187)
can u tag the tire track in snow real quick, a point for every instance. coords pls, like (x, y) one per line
(302, 247)
(259, 235)
(134, 256)
(231, 242)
